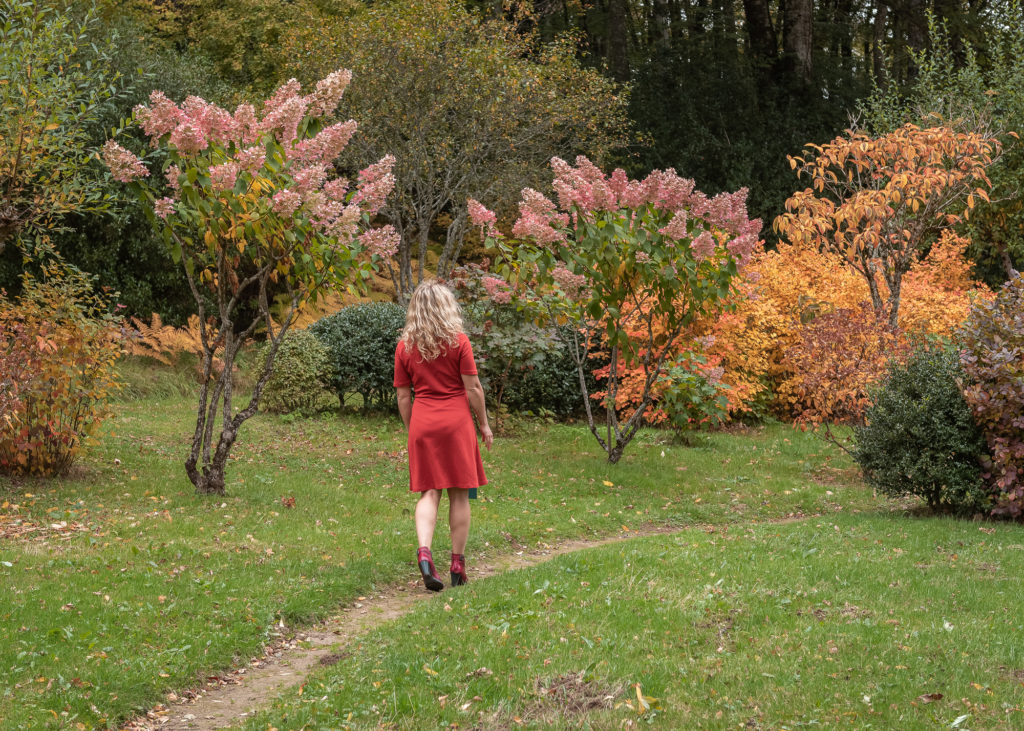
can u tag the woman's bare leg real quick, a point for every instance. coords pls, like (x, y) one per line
(458, 518)
(426, 516)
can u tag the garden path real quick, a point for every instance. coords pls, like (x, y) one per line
(228, 699)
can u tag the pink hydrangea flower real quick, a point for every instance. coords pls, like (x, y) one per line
(676, 228)
(482, 217)
(323, 210)
(286, 202)
(328, 92)
(539, 219)
(573, 285)
(223, 176)
(326, 146)
(375, 184)
(251, 159)
(189, 138)
(216, 123)
(703, 246)
(247, 126)
(164, 207)
(173, 177)
(336, 189)
(381, 241)
(160, 117)
(344, 226)
(124, 165)
(284, 119)
(283, 93)
(310, 178)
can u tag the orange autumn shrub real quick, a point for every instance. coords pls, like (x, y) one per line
(800, 341)
(781, 292)
(58, 346)
(877, 202)
(938, 290)
(833, 361)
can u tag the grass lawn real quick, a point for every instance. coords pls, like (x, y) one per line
(143, 587)
(843, 621)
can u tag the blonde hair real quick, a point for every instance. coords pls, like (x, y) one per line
(433, 319)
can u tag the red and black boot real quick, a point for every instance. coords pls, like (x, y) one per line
(426, 563)
(458, 569)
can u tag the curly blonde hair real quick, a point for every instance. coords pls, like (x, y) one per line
(433, 320)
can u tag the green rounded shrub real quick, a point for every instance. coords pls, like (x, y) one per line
(299, 374)
(549, 382)
(919, 438)
(360, 342)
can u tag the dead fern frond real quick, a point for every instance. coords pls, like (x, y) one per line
(164, 343)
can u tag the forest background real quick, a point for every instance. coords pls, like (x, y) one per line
(721, 90)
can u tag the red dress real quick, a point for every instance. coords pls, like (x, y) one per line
(443, 451)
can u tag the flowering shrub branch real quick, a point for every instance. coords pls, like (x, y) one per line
(251, 207)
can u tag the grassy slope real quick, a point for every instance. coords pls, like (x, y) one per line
(166, 587)
(845, 621)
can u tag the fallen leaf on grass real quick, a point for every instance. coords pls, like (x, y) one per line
(930, 697)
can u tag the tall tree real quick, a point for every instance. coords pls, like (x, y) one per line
(798, 36)
(761, 31)
(470, 108)
(618, 39)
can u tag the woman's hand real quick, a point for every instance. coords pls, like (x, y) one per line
(487, 436)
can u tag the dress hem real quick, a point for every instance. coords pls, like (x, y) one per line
(449, 487)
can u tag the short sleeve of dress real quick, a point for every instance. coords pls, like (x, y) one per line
(403, 378)
(467, 366)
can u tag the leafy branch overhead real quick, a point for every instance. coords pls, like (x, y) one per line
(49, 97)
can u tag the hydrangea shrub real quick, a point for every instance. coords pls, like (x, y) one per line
(635, 256)
(251, 205)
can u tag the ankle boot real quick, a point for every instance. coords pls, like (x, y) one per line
(458, 569)
(426, 563)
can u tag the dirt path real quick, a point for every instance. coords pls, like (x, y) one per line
(229, 699)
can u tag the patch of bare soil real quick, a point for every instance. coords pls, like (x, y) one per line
(228, 699)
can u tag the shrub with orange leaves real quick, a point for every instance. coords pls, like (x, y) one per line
(939, 290)
(166, 343)
(775, 343)
(835, 358)
(878, 201)
(58, 345)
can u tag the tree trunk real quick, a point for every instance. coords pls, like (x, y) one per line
(618, 39)
(878, 44)
(798, 37)
(760, 31)
(661, 22)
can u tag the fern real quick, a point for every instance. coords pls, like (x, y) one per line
(164, 343)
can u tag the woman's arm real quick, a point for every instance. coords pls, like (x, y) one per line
(405, 404)
(475, 394)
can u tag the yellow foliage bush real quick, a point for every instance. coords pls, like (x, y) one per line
(58, 345)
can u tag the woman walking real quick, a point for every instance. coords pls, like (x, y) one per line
(434, 360)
